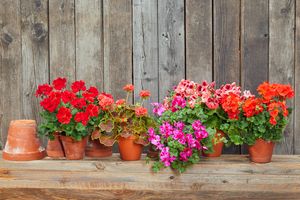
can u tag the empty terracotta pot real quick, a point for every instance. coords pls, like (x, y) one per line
(216, 147)
(261, 151)
(54, 147)
(74, 150)
(22, 142)
(129, 150)
(97, 150)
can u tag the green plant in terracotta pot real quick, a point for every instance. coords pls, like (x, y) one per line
(66, 115)
(125, 123)
(261, 121)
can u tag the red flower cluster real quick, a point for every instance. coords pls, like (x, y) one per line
(120, 102)
(274, 109)
(270, 91)
(82, 117)
(252, 106)
(128, 88)
(145, 94)
(78, 86)
(43, 90)
(59, 83)
(231, 103)
(141, 111)
(64, 115)
(105, 101)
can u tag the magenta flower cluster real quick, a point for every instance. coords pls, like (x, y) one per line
(189, 140)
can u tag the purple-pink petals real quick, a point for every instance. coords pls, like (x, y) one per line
(185, 154)
(179, 136)
(154, 139)
(166, 129)
(165, 156)
(178, 102)
(158, 109)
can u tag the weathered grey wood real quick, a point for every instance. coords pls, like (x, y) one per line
(297, 83)
(62, 39)
(89, 42)
(35, 66)
(117, 46)
(171, 44)
(226, 45)
(281, 57)
(229, 177)
(10, 64)
(199, 34)
(145, 49)
(254, 45)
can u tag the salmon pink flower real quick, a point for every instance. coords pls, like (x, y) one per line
(144, 94)
(141, 111)
(128, 88)
(120, 102)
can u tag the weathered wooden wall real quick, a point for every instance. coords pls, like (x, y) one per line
(151, 43)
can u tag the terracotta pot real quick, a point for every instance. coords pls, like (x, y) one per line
(97, 150)
(22, 142)
(55, 148)
(261, 151)
(129, 150)
(216, 147)
(152, 153)
(74, 150)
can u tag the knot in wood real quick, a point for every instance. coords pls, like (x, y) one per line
(7, 38)
(99, 166)
(39, 32)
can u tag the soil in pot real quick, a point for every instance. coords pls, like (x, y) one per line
(22, 142)
(74, 150)
(97, 150)
(129, 150)
(55, 148)
(261, 151)
(216, 147)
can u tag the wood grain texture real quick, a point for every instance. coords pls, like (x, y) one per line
(281, 57)
(145, 49)
(226, 46)
(254, 45)
(171, 44)
(10, 65)
(117, 46)
(230, 177)
(89, 42)
(62, 39)
(199, 34)
(35, 66)
(297, 83)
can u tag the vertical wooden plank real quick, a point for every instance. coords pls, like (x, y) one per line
(117, 46)
(10, 64)
(297, 83)
(62, 39)
(34, 54)
(145, 49)
(199, 40)
(171, 44)
(254, 45)
(89, 43)
(281, 57)
(226, 45)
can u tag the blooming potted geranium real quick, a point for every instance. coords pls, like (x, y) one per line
(66, 115)
(125, 123)
(260, 121)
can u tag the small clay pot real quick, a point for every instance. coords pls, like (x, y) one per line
(74, 150)
(22, 142)
(261, 151)
(129, 150)
(55, 148)
(216, 147)
(97, 150)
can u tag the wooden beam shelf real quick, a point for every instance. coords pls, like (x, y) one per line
(227, 177)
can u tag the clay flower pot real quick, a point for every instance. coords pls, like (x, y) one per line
(216, 147)
(22, 142)
(74, 150)
(97, 150)
(129, 150)
(261, 151)
(55, 148)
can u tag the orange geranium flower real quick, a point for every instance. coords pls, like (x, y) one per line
(230, 103)
(145, 94)
(252, 106)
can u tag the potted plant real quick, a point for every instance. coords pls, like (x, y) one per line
(125, 123)
(66, 115)
(261, 120)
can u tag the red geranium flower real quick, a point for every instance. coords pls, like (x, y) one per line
(93, 91)
(50, 104)
(78, 103)
(128, 88)
(230, 103)
(59, 83)
(120, 102)
(145, 94)
(44, 89)
(78, 86)
(82, 117)
(67, 96)
(92, 110)
(141, 111)
(64, 115)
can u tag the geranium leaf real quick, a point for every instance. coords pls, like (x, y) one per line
(107, 141)
(106, 126)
